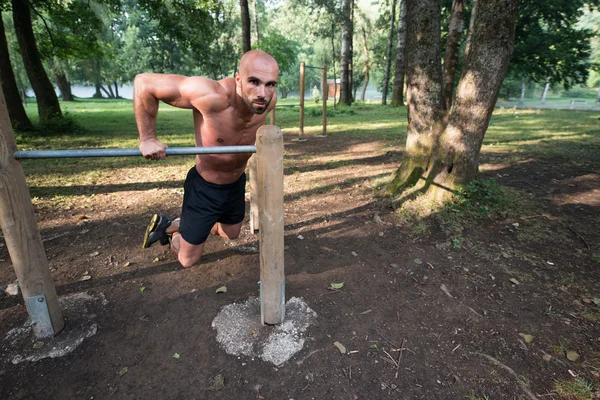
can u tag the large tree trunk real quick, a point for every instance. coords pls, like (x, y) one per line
(16, 111)
(442, 150)
(388, 64)
(455, 30)
(63, 85)
(47, 101)
(367, 64)
(246, 46)
(346, 53)
(400, 69)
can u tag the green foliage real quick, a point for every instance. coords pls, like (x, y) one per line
(65, 125)
(577, 389)
(485, 198)
(549, 45)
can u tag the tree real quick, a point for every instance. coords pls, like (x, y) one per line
(48, 106)
(442, 150)
(455, 31)
(16, 111)
(549, 46)
(246, 46)
(388, 59)
(346, 52)
(400, 69)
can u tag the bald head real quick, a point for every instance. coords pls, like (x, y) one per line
(257, 80)
(258, 59)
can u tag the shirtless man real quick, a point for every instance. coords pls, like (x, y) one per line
(226, 113)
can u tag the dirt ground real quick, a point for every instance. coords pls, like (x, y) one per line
(421, 317)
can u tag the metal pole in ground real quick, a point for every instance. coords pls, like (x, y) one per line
(22, 237)
(269, 142)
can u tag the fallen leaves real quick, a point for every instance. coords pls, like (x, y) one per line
(336, 286)
(340, 347)
(572, 356)
(222, 289)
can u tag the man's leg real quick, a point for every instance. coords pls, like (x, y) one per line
(188, 254)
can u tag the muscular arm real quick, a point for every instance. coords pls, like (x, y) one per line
(176, 90)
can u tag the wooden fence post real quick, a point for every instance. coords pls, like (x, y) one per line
(269, 146)
(302, 72)
(325, 96)
(23, 239)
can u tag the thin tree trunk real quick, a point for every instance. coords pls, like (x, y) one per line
(545, 92)
(105, 91)
(246, 46)
(63, 85)
(47, 101)
(346, 53)
(522, 98)
(367, 64)
(333, 63)
(16, 111)
(598, 101)
(116, 90)
(471, 24)
(112, 94)
(400, 69)
(455, 30)
(388, 64)
(256, 20)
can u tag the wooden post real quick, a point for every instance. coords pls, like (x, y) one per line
(269, 146)
(302, 68)
(325, 96)
(272, 117)
(254, 220)
(23, 239)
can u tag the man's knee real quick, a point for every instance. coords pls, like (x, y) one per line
(187, 261)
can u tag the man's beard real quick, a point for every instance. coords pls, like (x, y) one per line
(251, 107)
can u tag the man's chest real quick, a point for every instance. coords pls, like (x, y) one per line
(225, 129)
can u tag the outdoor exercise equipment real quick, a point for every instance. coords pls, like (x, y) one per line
(324, 97)
(28, 256)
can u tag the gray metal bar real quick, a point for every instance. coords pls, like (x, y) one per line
(170, 151)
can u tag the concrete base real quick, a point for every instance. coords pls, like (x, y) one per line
(20, 345)
(240, 332)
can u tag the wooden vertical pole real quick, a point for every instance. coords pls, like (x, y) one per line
(325, 96)
(302, 69)
(272, 117)
(254, 219)
(269, 146)
(22, 237)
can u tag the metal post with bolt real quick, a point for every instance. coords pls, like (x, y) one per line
(23, 239)
(269, 141)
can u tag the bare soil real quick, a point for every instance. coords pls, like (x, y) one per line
(422, 316)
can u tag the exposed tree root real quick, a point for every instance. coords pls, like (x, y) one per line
(512, 373)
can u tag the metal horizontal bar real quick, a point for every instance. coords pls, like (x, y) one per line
(310, 66)
(287, 105)
(170, 151)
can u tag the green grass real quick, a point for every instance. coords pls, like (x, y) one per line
(513, 135)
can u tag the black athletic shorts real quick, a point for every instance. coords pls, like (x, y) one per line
(206, 203)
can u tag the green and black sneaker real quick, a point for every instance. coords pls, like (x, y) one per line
(157, 231)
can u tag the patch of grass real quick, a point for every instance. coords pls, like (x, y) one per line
(473, 396)
(577, 389)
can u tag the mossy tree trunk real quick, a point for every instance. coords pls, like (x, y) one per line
(443, 147)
